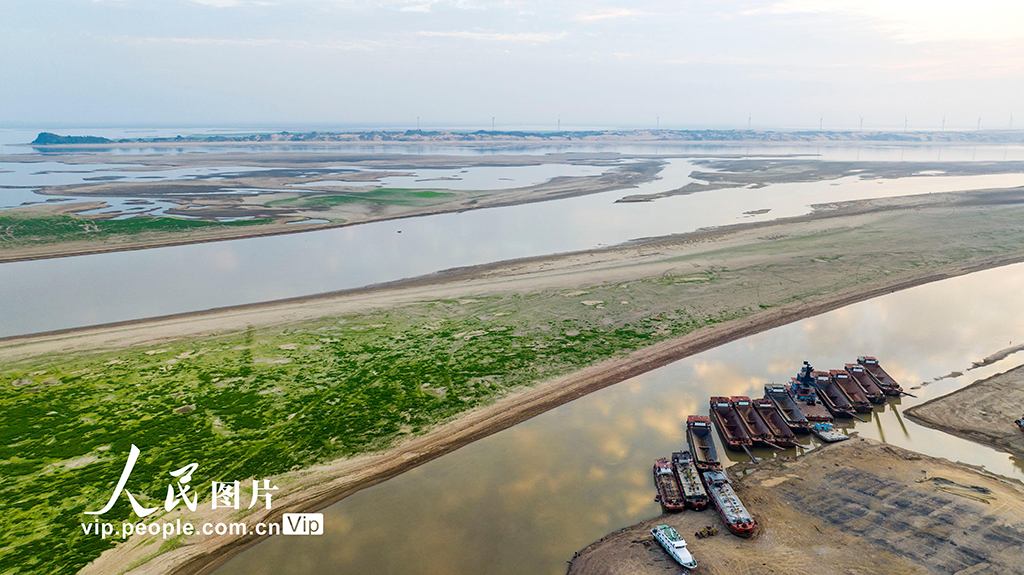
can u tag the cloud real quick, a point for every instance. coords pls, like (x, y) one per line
(920, 20)
(528, 37)
(614, 13)
(351, 44)
(219, 3)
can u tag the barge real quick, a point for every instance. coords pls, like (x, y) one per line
(852, 389)
(736, 517)
(866, 382)
(694, 494)
(783, 435)
(806, 395)
(674, 545)
(827, 433)
(832, 395)
(729, 425)
(883, 379)
(669, 494)
(758, 432)
(702, 444)
(787, 408)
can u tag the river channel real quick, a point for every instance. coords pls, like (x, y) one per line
(77, 291)
(524, 499)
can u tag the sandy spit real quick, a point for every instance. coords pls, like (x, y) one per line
(321, 486)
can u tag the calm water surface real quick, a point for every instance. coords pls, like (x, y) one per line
(522, 500)
(71, 292)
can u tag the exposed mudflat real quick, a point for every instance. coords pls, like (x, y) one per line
(983, 412)
(859, 506)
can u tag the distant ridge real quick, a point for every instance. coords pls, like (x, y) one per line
(49, 139)
(595, 136)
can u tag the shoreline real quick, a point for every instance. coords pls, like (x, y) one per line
(858, 506)
(821, 213)
(318, 489)
(464, 137)
(547, 191)
(982, 412)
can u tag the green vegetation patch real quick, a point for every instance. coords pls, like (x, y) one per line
(270, 401)
(23, 230)
(391, 196)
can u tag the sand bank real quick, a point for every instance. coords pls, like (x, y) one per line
(859, 506)
(983, 412)
(766, 255)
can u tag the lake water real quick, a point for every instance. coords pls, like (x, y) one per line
(523, 500)
(84, 290)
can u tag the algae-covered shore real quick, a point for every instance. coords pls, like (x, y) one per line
(335, 393)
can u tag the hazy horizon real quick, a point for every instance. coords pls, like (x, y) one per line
(361, 64)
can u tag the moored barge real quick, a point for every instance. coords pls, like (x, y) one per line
(787, 408)
(729, 425)
(852, 389)
(669, 494)
(702, 444)
(883, 379)
(783, 435)
(832, 395)
(866, 382)
(694, 494)
(736, 517)
(827, 432)
(806, 395)
(758, 432)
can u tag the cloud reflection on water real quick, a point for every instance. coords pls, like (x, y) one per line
(522, 500)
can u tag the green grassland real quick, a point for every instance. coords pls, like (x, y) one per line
(22, 230)
(271, 400)
(390, 196)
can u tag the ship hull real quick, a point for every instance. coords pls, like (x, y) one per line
(758, 432)
(688, 476)
(788, 409)
(871, 389)
(882, 378)
(702, 443)
(728, 424)
(669, 493)
(783, 434)
(735, 516)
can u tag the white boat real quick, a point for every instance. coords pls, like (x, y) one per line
(675, 545)
(826, 432)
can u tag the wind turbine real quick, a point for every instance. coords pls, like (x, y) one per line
(943, 122)
(559, 123)
(861, 123)
(821, 122)
(1011, 120)
(979, 122)
(749, 117)
(657, 123)
(417, 123)
(906, 122)
(492, 123)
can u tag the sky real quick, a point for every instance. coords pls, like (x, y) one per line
(783, 64)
